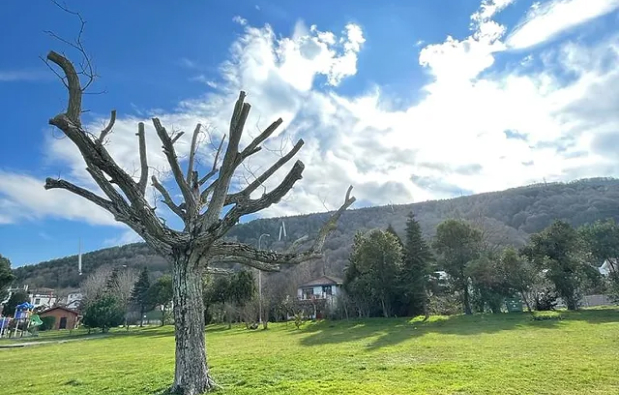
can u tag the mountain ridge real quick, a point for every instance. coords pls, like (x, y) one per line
(508, 217)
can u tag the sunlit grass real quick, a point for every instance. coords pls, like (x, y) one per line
(505, 354)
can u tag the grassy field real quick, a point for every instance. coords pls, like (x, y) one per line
(505, 354)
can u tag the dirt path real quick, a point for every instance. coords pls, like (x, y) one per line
(38, 343)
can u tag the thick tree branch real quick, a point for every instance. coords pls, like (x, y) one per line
(192, 153)
(249, 255)
(218, 271)
(107, 187)
(141, 216)
(74, 108)
(246, 193)
(230, 162)
(167, 199)
(108, 128)
(254, 146)
(51, 183)
(249, 206)
(143, 159)
(170, 153)
(265, 267)
(176, 137)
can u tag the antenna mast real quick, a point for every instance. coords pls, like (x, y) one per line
(79, 257)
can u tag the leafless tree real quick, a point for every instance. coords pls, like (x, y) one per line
(94, 285)
(122, 289)
(199, 245)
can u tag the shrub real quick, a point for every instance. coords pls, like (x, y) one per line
(546, 301)
(48, 323)
(445, 304)
(104, 312)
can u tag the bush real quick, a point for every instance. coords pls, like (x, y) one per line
(445, 304)
(546, 301)
(104, 312)
(48, 323)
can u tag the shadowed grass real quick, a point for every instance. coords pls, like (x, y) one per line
(484, 354)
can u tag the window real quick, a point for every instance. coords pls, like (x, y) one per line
(326, 289)
(37, 301)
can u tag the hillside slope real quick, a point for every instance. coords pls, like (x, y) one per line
(507, 216)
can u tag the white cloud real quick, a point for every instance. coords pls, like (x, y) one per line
(240, 20)
(188, 63)
(206, 81)
(126, 237)
(548, 20)
(453, 139)
(22, 75)
(22, 197)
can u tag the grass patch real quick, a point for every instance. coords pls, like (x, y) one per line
(510, 354)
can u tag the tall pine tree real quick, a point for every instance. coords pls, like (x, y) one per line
(393, 232)
(415, 268)
(139, 294)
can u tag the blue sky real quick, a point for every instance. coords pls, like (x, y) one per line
(407, 101)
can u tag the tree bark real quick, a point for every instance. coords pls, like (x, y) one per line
(526, 301)
(191, 376)
(467, 302)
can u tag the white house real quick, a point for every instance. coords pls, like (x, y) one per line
(325, 287)
(73, 300)
(609, 265)
(43, 297)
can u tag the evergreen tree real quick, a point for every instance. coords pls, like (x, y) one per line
(139, 294)
(6, 275)
(392, 231)
(374, 263)
(458, 244)
(160, 294)
(559, 250)
(416, 267)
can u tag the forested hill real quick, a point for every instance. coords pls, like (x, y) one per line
(508, 217)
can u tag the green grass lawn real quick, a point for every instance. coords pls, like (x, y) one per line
(505, 354)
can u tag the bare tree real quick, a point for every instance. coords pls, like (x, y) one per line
(122, 289)
(94, 285)
(199, 245)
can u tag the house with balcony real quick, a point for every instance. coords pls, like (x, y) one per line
(316, 297)
(322, 288)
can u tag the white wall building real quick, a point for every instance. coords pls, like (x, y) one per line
(325, 287)
(609, 266)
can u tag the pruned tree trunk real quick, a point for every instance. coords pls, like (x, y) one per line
(191, 374)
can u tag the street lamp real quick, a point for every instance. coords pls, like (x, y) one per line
(260, 282)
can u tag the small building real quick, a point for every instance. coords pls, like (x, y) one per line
(43, 298)
(316, 297)
(65, 318)
(73, 300)
(325, 287)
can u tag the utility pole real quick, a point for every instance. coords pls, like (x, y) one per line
(260, 283)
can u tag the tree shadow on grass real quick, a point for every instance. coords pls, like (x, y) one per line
(382, 332)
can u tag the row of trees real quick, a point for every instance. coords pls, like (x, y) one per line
(120, 296)
(388, 277)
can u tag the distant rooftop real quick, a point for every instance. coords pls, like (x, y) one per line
(324, 280)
